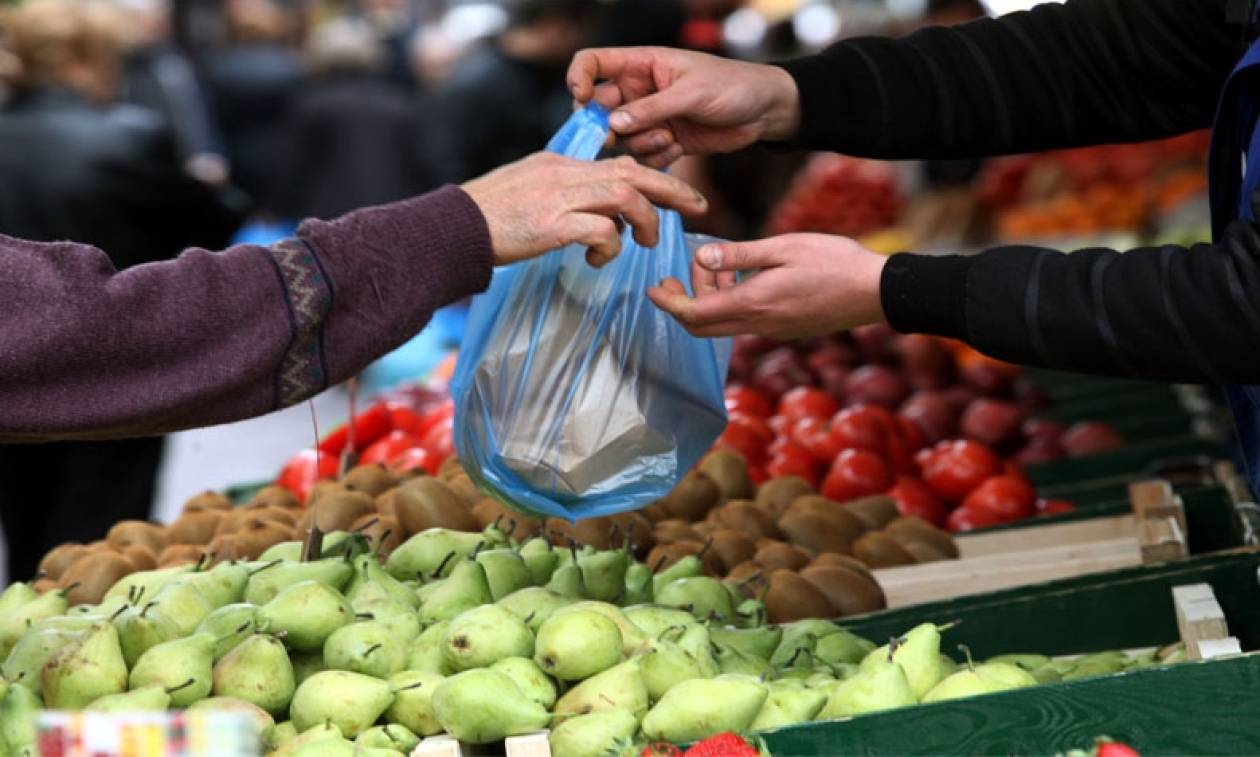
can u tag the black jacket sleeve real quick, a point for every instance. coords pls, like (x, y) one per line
(1084, 72)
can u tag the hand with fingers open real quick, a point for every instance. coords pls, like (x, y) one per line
(807, 285)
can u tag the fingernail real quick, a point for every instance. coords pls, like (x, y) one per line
(711, 256)
(660, 141)
(620, 120)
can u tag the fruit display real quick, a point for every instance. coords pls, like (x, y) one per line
(836, 194)
(477, 635)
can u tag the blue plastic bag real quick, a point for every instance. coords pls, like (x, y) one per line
(575, 397)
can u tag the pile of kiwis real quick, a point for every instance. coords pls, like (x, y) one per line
(810, 556)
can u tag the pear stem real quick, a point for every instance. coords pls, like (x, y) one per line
(408, 687)
(477, 549)
(131, 594)
(261, 568)
(948, 626)
(371, 649)
(613, 531)
(971, 665)
(497, 519)
(119, 611)
(751, 578)
(70, 588)
(893, 645)
(511, 529)
(380, 542)
(530, 616)
(573, 548)
(437, 572)
(147, 607)
(201, 562)
(707, 543)
(364, 616)
(628, 544)
(659, 562)
(183, 685)
(369, 524)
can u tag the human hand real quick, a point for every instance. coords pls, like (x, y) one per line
(809, 284)
(547, 201)
(670, 102)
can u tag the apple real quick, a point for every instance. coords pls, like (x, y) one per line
(876, 384)
(925, 361)
(994, 422)
(934, 414)
(1090, 438)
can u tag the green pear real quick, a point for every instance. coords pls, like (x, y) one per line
(263, 722)
(479, 637)
(306, 613)
(413, 701)
(653, 620)
(17, 594)
(430, 551)
(230, 625)
(604, 574)
(183, 603)
(305, 664)
(819, 681)
(368, 572)
(366, 647)
(803, 634)
(464, 589)
(695, 639)
(666, 666)
(15, 622)
(566, 581)
(594, 734)
(278, 734)
(481, 706)
(540, 559)
(266, 583)
(948, 666)
(372, 751)
(428, 651)
(171, 663)
(505, 571)
(400, 619)
(529, 678)
(257, 671)
(619, 687)
(145, 698)
(757, 642)
(787, 705)
(576, 645)
(638, 584)
(730, 660)
(350, 701)
(19, 709)
(750, 613)
(142, 586)
(919, 654)
(392, 736)
(1029, 662)
(1006, 674)
(26, 660)
(633, 640)
(140, 628)
(319, 734)
(702, 707)
(534, 604)
(964, 683)
(704, 597)
(881, 686)
(689, 566)
(843, 646)
(224, 584)
(85, 670)
(289, 551)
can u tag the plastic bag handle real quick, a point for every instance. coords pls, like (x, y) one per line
(582, 136)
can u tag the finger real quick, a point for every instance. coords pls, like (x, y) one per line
(703, 281)
(654, 110)
(597, 232)
(609, 95)
(620, 200)
(663, 159)
(741, 256)
(651, 142)
(673, 286)
(661, 189)
(704, 311)
(725, 328)
(589, 66)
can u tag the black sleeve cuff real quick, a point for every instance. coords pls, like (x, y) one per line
(926, 294)
(840, 99)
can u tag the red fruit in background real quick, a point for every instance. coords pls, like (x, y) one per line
(831, 355)
(779, 425)
(1040, 428)
(856, 473)
(435, 415)
(858, 428)
(743, 440)
(933, 413)
(807, 402)
(874, 342)
(403, 418)
(1115, 749)
(876, 384)
(757, 475)
(986, 377)
(966, 519)
(742, 399)
(815, 436)
(439, 442)
(957, 467)
(301, 471)
(755, 424)
(1038, 451)
(959, 395)
(793, 461)
(725, 744)
(1007, 497)
(1090, 438)
(911, 434)
(388, 447)
(925, 361)
(416, 458)
(1030, 396)
(833, 379)
(660, 749)
(992, 422)
(923, 457)
(369, 425)
(1054, 506)
(913, 497)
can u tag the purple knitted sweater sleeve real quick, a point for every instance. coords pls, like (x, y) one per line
(211, 337)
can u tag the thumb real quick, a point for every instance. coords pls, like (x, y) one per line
(654, 110)
(740, 256)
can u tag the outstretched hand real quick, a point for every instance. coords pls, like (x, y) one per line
(808, 285)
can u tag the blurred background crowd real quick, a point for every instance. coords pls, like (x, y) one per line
(146, 126)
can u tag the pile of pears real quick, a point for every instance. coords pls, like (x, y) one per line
(467, 633)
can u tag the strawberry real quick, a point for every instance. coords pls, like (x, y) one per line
(660, 749)
(722, 745)
(1115, 749)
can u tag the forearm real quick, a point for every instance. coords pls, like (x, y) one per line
(211, 337)
(1085, 72)
(1170, 313)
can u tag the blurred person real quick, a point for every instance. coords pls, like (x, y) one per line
(159, 76)
(635, 23)
(75, 168)
(506, 97)
(393, 24)
(252, 82)
(352, 136)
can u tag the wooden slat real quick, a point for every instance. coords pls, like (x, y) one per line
(1199, 617)
(438, 746)
(1039, 537)
(1161, 540)
(530, 745)
(1208, 649)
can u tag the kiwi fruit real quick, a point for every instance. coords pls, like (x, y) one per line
(921, 550)
(594, 532)
(385, 504)
(876, 512)
(781, 556)
(744, 570)
(514, 524)
(44, 585)
(745, 517)
(732, 548)
(194, 527)
(776, 494)
(449, 467)
(324, 488)
(835, 511)
(692, 498)
(276, 515)
(730, 472)
(635, 527)
(940, 540)
(655, 512)
(303, 525)
(126, 532)
(384, 532)
(180, 554)
(427, 502)
(275, 496)
(463, 486)
(233, 519)
(207, 500)
(705, 528)
(789, 598)
(371, 480)
(827, 559)
(87, 580)
(223, 548)
(59, 558)
(674, 529)
(140, 556)
(256, 535)
(336, 511)
(817, 532)
(878, 550)
(664, 555)
(850, 592)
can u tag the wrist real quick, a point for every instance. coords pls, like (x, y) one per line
(782, 118)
